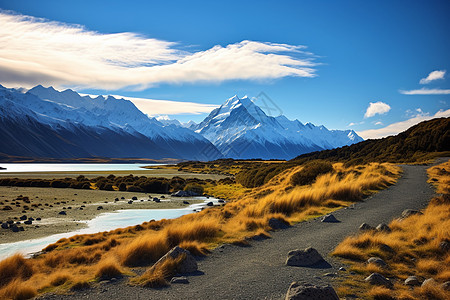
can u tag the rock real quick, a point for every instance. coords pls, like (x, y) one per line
(446, 286)
(303, 258)
(130, 202)
(378, 279)
(10, 222)
(383, 227)
(409, 212)
(210, 204)
(188, 265)
(185, 202)
(62, 213)
(156, 200)
(14, 228)
(99, 207)
(444, 246)
(220, 200)
(134, 198)
(377, 261)
(365, 227)
(386, 248)
(412, 281)
(123, 198)
(5, 225)
(24, 217)
(181, 193)
(310, 292)
(277, 224)
(330, 218)
(181, 279)
(428, 281)
(342, 269)
(162, 197)
(116, 199)
(38, 219)
(21, 228)
(28, 222)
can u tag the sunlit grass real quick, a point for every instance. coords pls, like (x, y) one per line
(247, 214)
(414, 247)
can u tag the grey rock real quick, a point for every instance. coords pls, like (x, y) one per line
(383, 228)
(409, 212)
(188, 265)
(210, 204)
(429, 281)
(342, 269)
(378, 279)
(62, 213)
(330, 218)
(303, 258)
(444, 246)
(365, 227)
(377, 261)
(412, 281)
(310, 292)
(181, 279)
(277, 224)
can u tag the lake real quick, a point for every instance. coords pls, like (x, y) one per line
(32, 167)
(105, 222)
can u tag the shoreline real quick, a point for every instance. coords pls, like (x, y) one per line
(79, 205)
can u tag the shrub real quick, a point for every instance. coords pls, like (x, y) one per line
(310, 172)
(122, 186)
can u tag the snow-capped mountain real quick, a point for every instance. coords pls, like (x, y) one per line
(70, 125)
(240, 129)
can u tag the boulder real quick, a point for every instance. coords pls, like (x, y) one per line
(130, 202)
(444, 246)
(14, 228)
(277, 224)
(310, 292)
(134, 198)
(185, 202)
(188, 265)
(303, 258)
(99, 207)
(430, 281)
(377, 261)
(446, 286)
(62, 213)
(210, 204)
(24, 217)
(181, 279)
(156, 200)
(365, 227)
(409, 212)
(28, 222)
(412, 281)
(330, 218)
(383, 228)
(378, 279)
(5, 225)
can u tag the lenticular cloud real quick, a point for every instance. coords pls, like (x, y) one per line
(38, 51)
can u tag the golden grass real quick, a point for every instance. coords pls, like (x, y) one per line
(17, 290)
(110, 254)
(156, 276)
(381, 293)
(414, 247)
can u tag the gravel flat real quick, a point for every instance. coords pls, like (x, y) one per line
(259, 272)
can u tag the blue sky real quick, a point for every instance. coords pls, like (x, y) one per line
(354, 53)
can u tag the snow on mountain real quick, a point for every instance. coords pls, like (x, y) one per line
(165, 120)
(240, 129)
(68, 111)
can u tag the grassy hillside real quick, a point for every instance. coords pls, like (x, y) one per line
(416, 246)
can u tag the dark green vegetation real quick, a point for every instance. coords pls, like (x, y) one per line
(310, 172)
(418, 144)
(116, 183)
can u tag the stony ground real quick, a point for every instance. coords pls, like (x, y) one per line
(259, 271)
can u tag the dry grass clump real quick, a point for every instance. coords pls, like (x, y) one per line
(418, 245)
(108, 269)
(17, 290)
(109, 254)
(380, 293)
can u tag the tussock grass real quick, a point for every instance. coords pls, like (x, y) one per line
(17, 290)
(416, 246)
(110, 254)
(15, 267)
(157, 276)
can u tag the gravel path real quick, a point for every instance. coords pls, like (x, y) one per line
(259, 272)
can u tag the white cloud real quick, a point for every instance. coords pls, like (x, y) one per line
(398, 127)
(435, 75)
(424, 91)
(351, 124)
(154, 107)
(379, 123)
(376, 108)
(34, 50)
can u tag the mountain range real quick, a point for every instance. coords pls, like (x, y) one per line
(46, 123)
